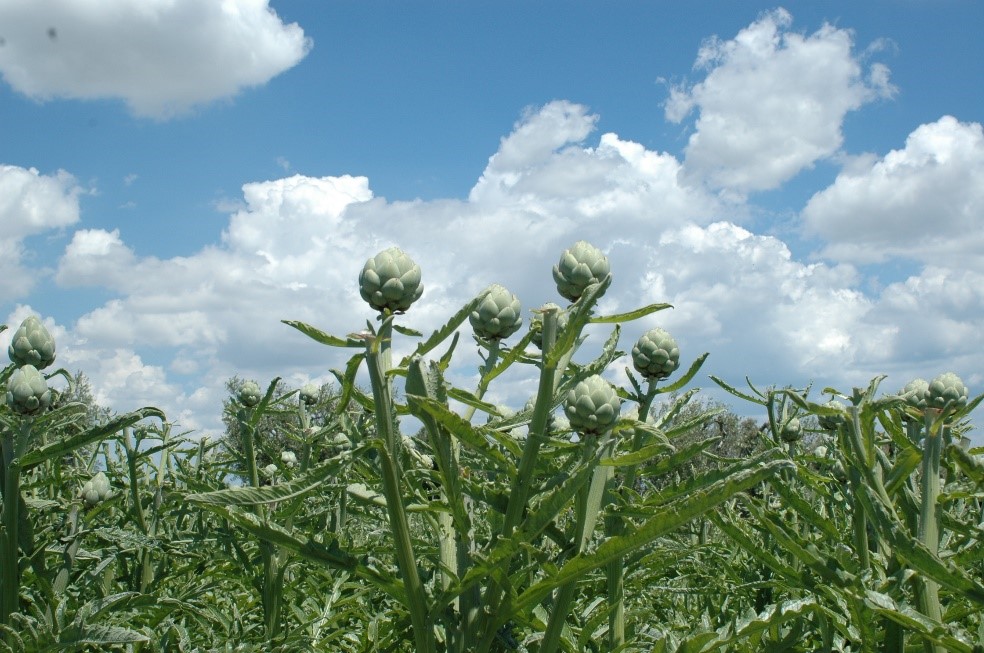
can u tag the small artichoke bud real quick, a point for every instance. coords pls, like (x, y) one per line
(656, 354)
(831, 422)
(309, 394)
(946, 391)
(537, 323)
(270, 470)
(498, 315)
(390, 281)
(32, 344)
(341, 441)
(27, 391)
(914, 393)
(579, 267)
(791, 431)
(592, 406)
(288, 458)
(249, 394)
(96, 489)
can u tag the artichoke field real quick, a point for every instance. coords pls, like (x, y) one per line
(605, 515)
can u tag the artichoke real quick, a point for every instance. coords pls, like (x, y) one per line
(537, 323)
(31, 344)
(96, 489)
(946, 391)
(914, 393)
(791, 431)
(390, 281)
(498, 315)
(309, 394)
(592, 406)
(288, 458)
(249, 394)
(579, 267)
(831, 422)
(27, 391)
(656, 354)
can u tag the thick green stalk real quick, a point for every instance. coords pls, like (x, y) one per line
(929, 533)
(520, 488)
(615, 525)
(377, 352)
(14, 447)
(587, 506)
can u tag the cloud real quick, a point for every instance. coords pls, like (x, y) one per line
(162, 57)
(922, 202)
(772, 102)
(30, 204)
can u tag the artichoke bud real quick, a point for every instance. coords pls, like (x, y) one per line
(288, 458)
(309, 394)
(592, 406)
(914, 393)
(96, 489)
(946, 391)
(249, 394)
(537, 323)
(31, 344)
(579, 267)
(656, 354)
(390, 281)
(270, 470)
(498, 315)
(27, 391)
(791, 431)
(831, 422)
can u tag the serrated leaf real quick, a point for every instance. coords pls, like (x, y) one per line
(631, 315)
(324, 338)
(99, 433)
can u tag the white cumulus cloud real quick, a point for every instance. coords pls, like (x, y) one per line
(161, 57)
(924, 201)
(772, 102)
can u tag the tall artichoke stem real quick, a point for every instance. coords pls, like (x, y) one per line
(519, 491)
(929, 533)
(587, 506)
(14, 447)
(389, 462)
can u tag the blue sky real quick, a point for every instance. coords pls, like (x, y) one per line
(802, 181)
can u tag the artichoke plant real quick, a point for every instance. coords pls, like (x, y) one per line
(390, 280)
(31, 344)
(249, 394)
(498, 315)
(27, 391)
(656, 354)
(579, 267)
(946, 391)
(96, 490)
(592, 406)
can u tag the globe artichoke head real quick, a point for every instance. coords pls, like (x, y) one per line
(791, 431)
(914, 393)
(249, 394)
(831, 422)
(579, 267)
(946, 391)
(498, 315)
(390, 281)
(96, 489)
(592, 406)
(309, 394)
(288, 458)
(537, 323)
(31, 344)
(656, 354)
(27, 391)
